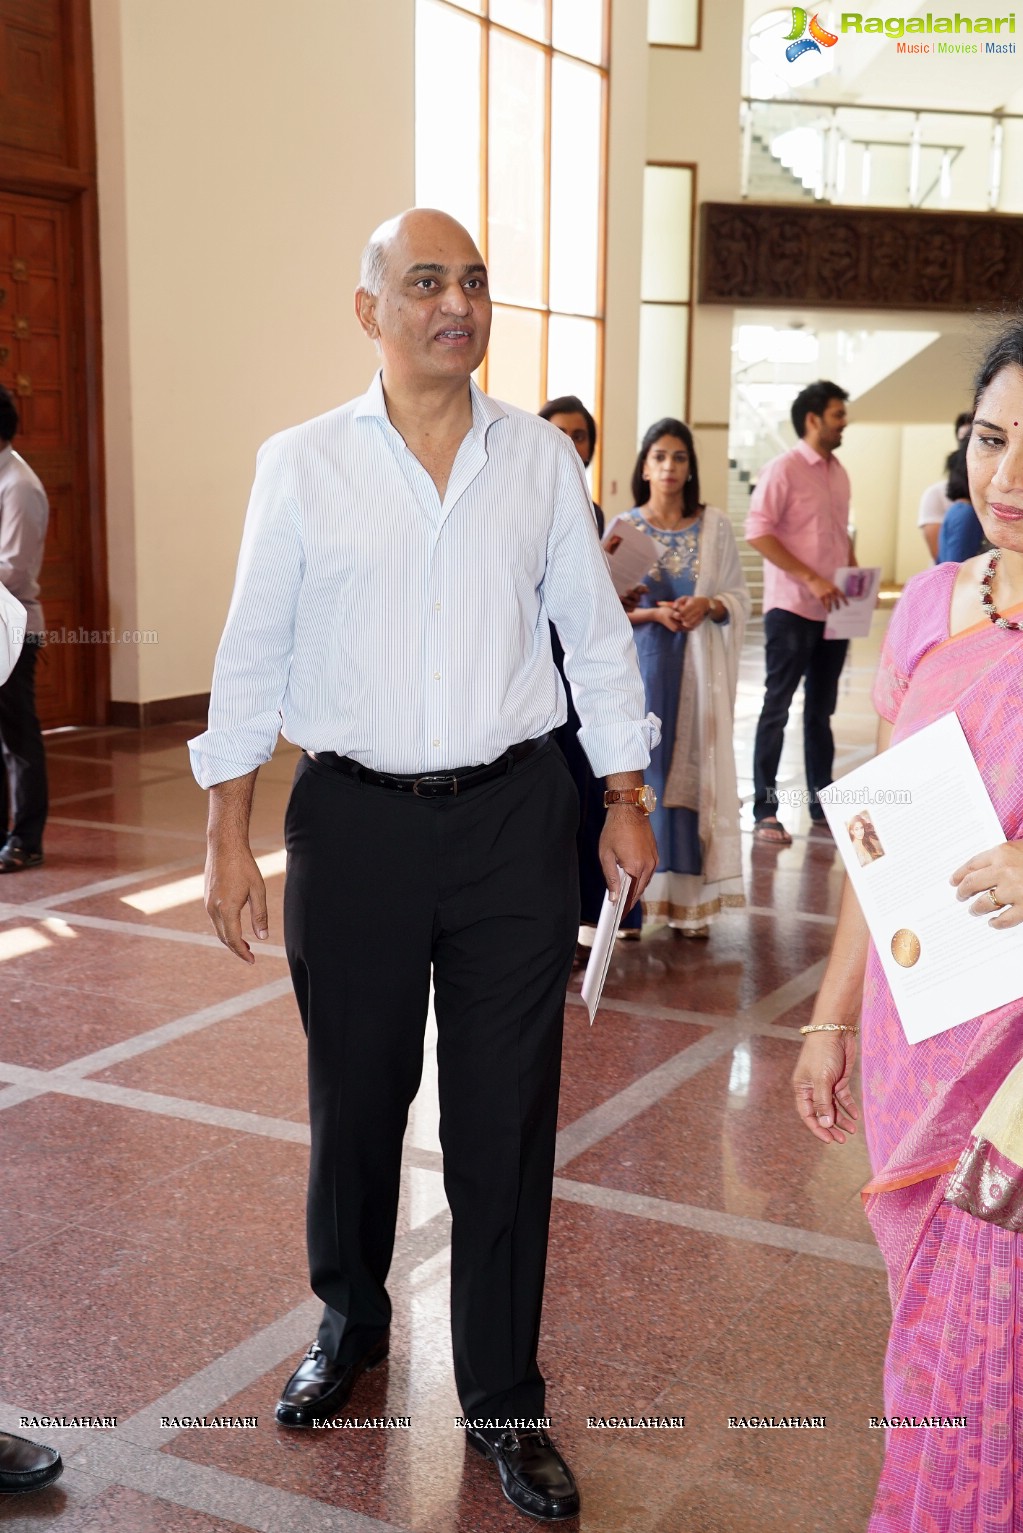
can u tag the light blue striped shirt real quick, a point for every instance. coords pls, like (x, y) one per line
(372, 619)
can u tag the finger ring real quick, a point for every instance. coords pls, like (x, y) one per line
(996, 902)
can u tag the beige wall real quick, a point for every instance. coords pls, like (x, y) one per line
(242, 162)
(692, 115)
(626, 159)
(872, 457)
(924, 450)
(889, 468)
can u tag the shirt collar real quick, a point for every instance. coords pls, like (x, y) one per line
(485, 411)
(808, 454)
(6, 454)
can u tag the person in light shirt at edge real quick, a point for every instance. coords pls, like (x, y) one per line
(401, 558)
(799, 521)
(944, 1117)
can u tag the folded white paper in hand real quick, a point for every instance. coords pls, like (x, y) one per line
(631, 555)
(611, 913)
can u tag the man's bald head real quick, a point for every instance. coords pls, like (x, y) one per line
(424, 301)
(395, 234)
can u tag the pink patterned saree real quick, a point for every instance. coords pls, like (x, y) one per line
(944, 1126)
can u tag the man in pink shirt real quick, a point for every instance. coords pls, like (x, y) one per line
(799, 521)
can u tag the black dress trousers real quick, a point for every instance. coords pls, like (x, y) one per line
(483, 887)
(24, 798)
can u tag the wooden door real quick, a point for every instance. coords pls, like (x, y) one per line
(37, 364)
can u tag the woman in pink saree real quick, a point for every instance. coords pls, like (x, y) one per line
(944, 1117)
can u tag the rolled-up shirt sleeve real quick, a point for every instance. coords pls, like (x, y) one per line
(617, 733)
(250, 674)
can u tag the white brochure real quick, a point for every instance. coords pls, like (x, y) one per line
(860, 586)
(631, 555)
(904, 823)
(611, 913)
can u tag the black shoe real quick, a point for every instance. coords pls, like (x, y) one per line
(14, 856)
(534, 1476)
(318, 1388)
(26, 1465)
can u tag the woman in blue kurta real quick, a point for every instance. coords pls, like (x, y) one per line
(688, 631)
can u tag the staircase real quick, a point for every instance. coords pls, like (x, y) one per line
(739, 489)
(768, 180)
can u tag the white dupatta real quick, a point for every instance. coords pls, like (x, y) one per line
(702, 771)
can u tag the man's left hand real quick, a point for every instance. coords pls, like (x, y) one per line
(627, 841)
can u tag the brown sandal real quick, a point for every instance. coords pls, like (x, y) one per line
(771, 832)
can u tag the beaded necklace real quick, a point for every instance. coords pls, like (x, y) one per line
(985, 596)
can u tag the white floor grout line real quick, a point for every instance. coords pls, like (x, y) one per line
(585, 1132)
(39, 912)
(180, 1027)
(112, 788)
(118, 881)
(714, 1221)
(236, 1119)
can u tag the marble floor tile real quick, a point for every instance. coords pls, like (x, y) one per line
(730, 1139)
(255, 1062)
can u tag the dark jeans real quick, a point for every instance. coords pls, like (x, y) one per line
(482, 887)
(24, 799)
(796, 651)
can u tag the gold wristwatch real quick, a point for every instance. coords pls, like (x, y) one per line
(643, 798)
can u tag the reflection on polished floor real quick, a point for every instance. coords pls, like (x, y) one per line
(708, 1259)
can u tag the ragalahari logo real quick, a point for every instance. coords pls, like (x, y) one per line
(806, 38)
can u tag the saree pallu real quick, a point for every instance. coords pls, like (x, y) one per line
(946, 1198)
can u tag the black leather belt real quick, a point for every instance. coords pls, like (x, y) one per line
(432, 784)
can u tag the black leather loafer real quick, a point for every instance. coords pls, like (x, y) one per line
(319, 1389)
(26, 1465)
(14, 857)
(534, 1476)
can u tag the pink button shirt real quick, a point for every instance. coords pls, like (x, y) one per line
(801, 499)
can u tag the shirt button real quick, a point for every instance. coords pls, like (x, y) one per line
(436, 675)
(436, 606)
(436, 743)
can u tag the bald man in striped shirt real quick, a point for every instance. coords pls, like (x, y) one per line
(400, 561)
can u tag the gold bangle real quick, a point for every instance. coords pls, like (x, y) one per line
(828, 1027)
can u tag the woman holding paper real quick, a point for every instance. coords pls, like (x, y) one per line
(689, 629)
(944, 1116)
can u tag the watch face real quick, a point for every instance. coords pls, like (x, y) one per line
(647, 798)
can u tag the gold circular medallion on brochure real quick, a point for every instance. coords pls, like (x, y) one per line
(906, 947)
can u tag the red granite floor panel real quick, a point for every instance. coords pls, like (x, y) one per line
(78, 855)
(114, 1510)
(127, 968)
(91, 1322)
(617, 1049)
(729, 1139)
(255, 1062)
(745, 959)
(65, 1157)
(47, 1025)
(188, 913)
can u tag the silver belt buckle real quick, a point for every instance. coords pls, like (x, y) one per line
(438, 778)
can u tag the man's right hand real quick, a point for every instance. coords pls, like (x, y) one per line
(233, 881)
(826, 592)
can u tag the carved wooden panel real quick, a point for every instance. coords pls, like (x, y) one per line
(32, 101)
(50, 324)
(36, 364)
(825, 257)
